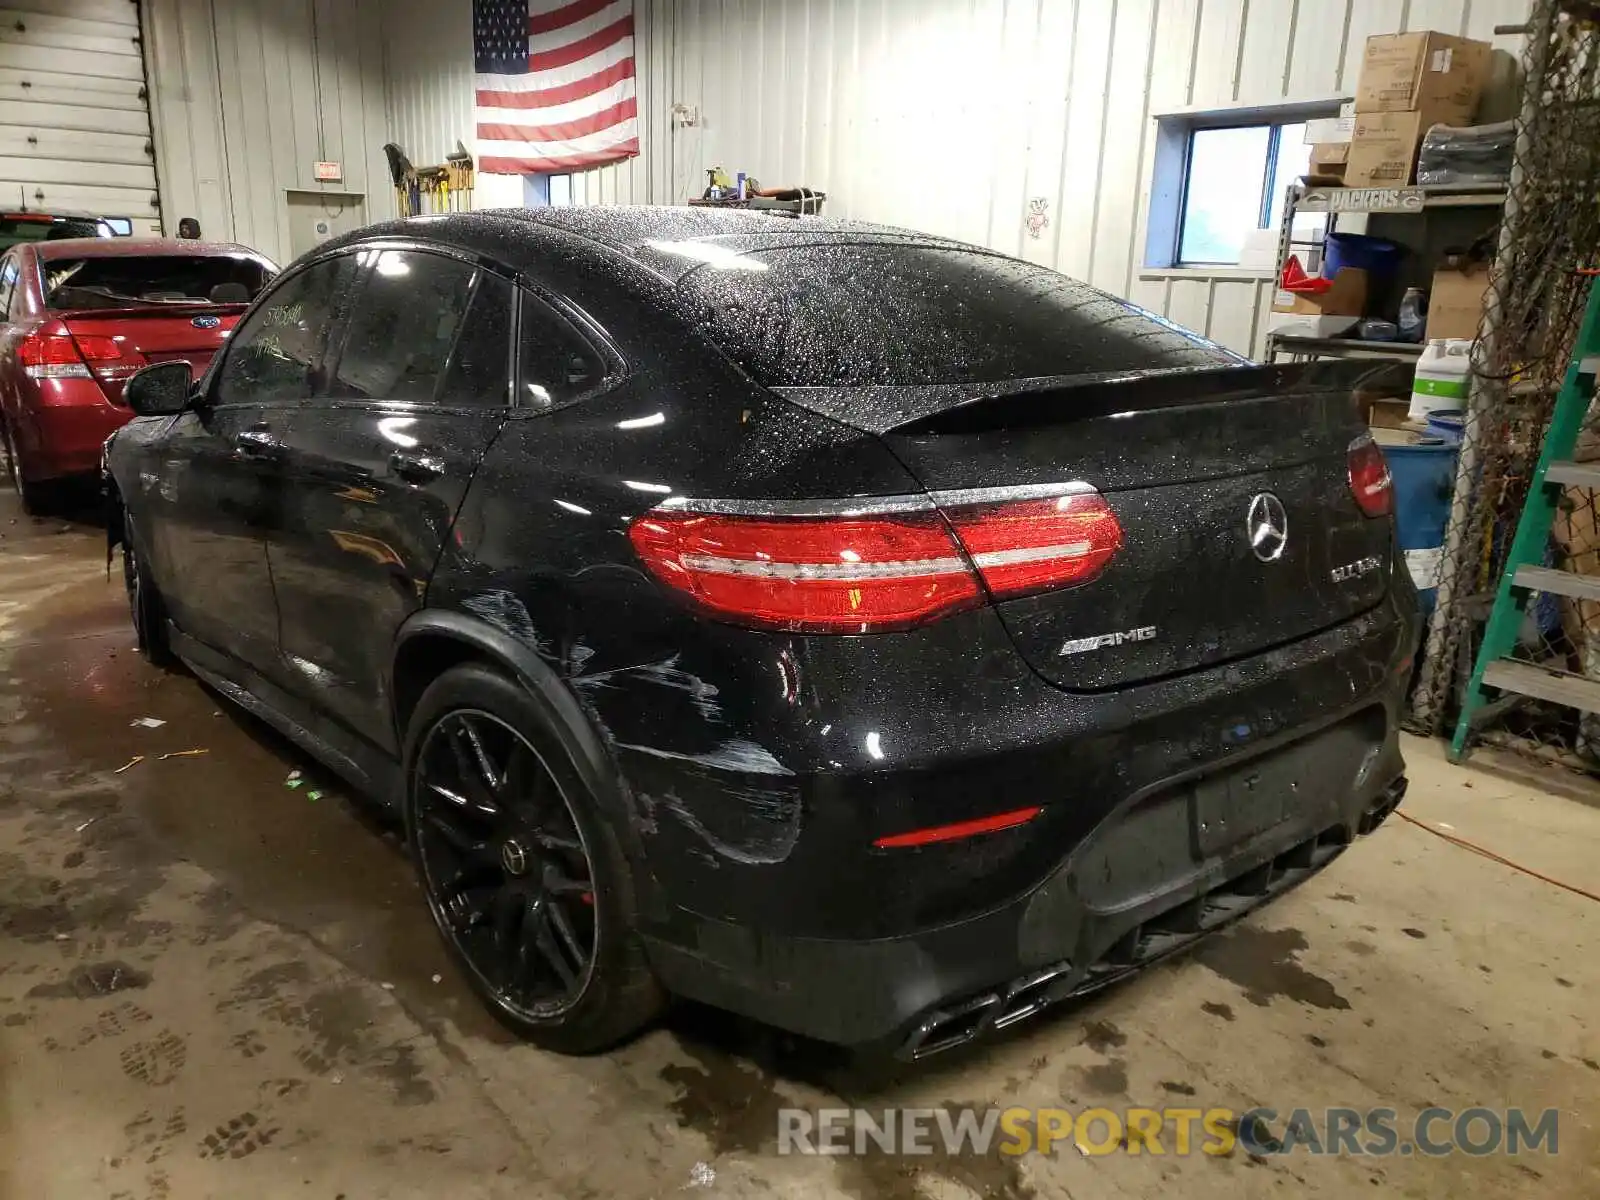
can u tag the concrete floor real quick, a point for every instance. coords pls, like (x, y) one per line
(212, 985)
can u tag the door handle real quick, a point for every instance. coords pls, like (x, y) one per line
(257, 442)
(415, 467)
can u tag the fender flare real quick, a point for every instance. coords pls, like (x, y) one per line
(564, 716)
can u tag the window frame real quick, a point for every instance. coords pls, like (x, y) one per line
(1264, 208)
(582, 326)
(358, 284)
(527, 294)
(219, 364)
(1165, 212)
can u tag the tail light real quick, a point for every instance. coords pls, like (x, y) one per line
(62, 356)
(869, 570)
(1370, 481)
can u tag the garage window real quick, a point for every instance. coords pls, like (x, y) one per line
(1220, 179)
(1233, 184)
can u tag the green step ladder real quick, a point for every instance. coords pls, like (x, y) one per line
(1524, 574)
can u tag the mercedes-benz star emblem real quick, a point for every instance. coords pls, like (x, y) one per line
(514, 859)
(1267, 526)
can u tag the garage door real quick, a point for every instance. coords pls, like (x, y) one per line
(75, 121)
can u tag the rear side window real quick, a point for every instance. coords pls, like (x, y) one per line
(403, 326)
(555, 363)
(77, 283)
(276, 354)
(865, 314)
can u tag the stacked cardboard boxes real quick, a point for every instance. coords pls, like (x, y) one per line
(1329, 139)
(1408, 82)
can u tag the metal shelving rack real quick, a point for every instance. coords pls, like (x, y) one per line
(1336, 201)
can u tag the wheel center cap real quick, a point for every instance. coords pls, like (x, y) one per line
(514, 858)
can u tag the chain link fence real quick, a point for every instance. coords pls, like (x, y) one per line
(1551, 227)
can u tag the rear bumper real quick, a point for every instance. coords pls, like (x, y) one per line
(1118, 870)
(934, 990)
(62, 432)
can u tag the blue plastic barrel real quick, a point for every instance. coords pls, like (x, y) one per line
(1424, 481)
(1377, 256)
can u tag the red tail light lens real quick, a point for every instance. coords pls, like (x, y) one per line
(97, 349)
(816, 574)
(866, 572)
(1370, 481)
(1027, 546)
(62, 356)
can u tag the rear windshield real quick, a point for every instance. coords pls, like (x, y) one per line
(869, 314)
(152, 279)
(38, 229)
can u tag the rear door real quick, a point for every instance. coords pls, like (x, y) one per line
(378, 463)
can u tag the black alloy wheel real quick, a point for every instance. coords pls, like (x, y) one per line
(504, 864)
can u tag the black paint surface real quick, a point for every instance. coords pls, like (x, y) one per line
(330, 540)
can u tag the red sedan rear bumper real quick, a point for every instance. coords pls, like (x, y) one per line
(62, 430)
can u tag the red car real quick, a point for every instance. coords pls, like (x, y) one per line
(83, 314)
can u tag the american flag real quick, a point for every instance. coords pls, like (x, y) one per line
(555, 84)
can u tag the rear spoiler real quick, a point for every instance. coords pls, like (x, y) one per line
(176, 308)
(973, 408)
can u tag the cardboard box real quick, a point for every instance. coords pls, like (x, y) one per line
(1328, 162)
(1432, 73)
(1389, 414)
(1383, 152)
(1346, 298)
(1330, 129)
(1455, 302)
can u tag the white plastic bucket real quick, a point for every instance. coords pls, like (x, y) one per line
(1441, 379)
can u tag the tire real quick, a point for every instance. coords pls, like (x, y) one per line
(524, 878)
(36, 497)
(144, 605)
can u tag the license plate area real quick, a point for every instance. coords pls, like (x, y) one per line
(1243, 803)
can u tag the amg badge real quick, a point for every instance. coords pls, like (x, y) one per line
(1355, 570)
(1082, 645)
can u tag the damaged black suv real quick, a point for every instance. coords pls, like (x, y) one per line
(859, 630)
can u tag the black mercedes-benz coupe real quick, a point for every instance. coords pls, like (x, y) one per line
(863, 631)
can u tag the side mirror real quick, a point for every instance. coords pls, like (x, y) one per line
(160, 390)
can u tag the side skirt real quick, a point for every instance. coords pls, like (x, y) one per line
(358, 762)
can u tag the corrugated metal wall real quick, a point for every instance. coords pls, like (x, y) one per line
(947, 115)
(246, 95)
(951, 115)
(429, 53)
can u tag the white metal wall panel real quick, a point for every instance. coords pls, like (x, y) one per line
(248, 95)
(74, 120)
(956, 115)
(949, 115)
